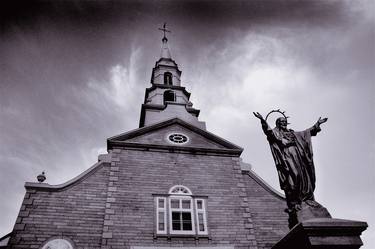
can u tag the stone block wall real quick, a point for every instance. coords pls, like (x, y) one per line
(113, 206)
(270, 222)
(76, 212)
(138, 176)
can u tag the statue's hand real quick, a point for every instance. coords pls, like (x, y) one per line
(322, 120)
(258, 115)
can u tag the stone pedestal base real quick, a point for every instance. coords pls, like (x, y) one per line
(307, 211)
(311, 212)
(324, 233)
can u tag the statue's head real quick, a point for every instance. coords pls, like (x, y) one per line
(281, 123)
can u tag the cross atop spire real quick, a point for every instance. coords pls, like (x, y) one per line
(164, 29)
(165, 53)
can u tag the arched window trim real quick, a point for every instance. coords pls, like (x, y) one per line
(49, 243)
(179, 190)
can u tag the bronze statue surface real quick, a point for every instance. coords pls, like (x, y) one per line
(293, 156)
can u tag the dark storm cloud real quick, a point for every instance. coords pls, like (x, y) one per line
(77, 36)
(93, 30)
(73, 73)
(29, 13)
(228, 12)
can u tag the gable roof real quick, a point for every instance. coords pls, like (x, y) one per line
(217, 145)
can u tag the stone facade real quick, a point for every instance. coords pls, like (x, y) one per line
(113, 205)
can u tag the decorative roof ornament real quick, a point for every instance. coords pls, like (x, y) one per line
(165, 30)
(165, 53)
(41, 177)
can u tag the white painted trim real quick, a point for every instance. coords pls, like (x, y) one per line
(177, 133)
(164, 210)
(201, 211)
(180, 209)
(179, 186)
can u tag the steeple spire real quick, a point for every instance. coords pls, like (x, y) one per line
(165, 53)
(166, 98)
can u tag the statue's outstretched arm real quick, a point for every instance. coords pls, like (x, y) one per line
(258, 115)
(316, 128)
(264, 123)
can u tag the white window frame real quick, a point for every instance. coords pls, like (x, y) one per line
(181, 209)
(203, 212)
(161, 210)
(180, 193)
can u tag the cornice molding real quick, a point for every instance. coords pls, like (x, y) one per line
(171, 148)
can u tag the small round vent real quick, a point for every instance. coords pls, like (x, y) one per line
(178, 138)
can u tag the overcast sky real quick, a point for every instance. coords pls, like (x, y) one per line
(74, 73)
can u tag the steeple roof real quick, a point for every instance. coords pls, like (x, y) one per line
(165, 53)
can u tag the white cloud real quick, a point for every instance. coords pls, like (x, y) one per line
(120, 87)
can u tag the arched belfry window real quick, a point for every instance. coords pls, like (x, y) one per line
(168, 78)
(169, 95)
(181, 213)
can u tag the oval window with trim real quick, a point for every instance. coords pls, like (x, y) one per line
(178, 138)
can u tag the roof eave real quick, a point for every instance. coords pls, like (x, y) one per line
(172, 148)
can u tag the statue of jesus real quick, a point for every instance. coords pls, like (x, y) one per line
(293, 156)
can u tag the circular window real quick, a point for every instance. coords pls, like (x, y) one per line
(58, 244)
(178, 138)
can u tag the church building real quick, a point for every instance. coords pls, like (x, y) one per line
(168, 184)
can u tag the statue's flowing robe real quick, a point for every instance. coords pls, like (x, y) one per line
(293, 155)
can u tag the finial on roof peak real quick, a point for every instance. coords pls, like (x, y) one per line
(165, 53)
(41, 177)
(165, 30)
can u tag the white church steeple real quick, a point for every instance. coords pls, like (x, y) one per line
(166, 69)
(166, 98)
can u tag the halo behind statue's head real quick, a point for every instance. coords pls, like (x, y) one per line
(278, 111)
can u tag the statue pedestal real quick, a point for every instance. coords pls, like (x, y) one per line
(324, 233)
(310, 212)
(307, 212)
